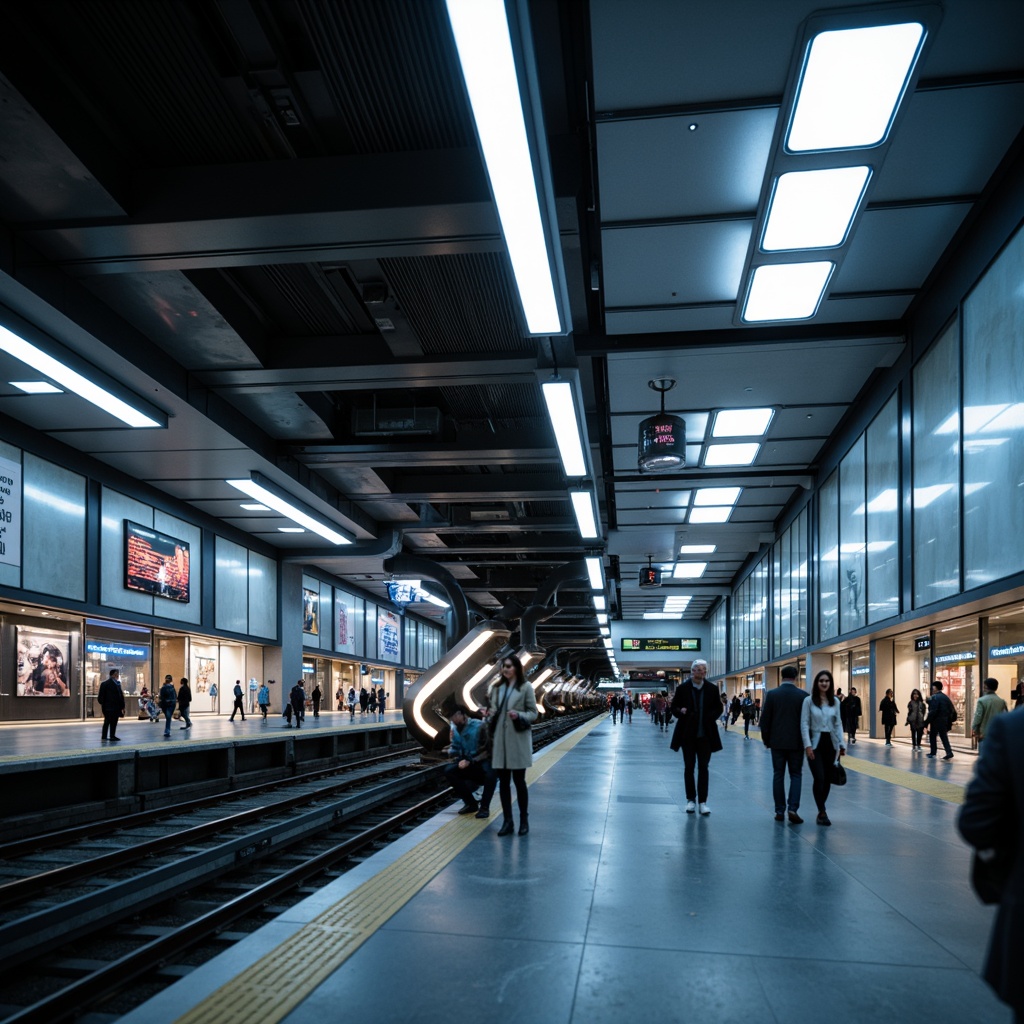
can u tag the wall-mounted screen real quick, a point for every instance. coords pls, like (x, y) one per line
(155, 563)
(310, 612)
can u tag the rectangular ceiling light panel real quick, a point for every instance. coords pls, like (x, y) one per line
(596, 573)
(35, 387)
(689, 570)
(786, 291)
(717, 496)
(813, 209)
(731, 454)
(559, 397)
(697, 549)
(741, 422)
(710, 514)
(851, 84)
(480, 28)
(71, 380)
(586, 517)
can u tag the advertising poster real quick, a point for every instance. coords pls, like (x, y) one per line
(10, 512)
(345, 618)
(310, 612)
(42, 661)
(388, 625)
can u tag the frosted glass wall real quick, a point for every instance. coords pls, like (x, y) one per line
(852, 539)
(828, 557)
(883, 551)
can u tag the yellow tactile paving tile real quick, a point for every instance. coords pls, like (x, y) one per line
(269, 989)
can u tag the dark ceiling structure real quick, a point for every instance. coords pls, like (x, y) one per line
(270, 221)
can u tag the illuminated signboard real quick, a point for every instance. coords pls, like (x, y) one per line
(1011, 651)
(949, 659)
(125, 652)
(652, 643)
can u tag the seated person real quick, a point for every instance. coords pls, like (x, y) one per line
(470, 763)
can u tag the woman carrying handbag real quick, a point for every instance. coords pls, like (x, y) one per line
(821, 728)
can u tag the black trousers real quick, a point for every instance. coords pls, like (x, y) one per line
(698, 753)
(916, 735)
(110, 721)
(465, 780)
(936, 733)
(824, 758)
(888, 732)
(506, 776)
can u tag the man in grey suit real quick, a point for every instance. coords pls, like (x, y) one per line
(780, 732)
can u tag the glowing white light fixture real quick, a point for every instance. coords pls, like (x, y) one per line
(586, 517)
(291, 529)
(696, 549)
(560, 399)
(484, 46)
(786, 291)
(600, 604)
(689, 570)
(851, 85)
(71, 380)
(813, 209)
(254, 507)
(741, 422)
(605, 631)
(259, 489)
(717, 496)
(607, 642)
(602, 619)
(461, 653)
(710, 515)
(595, 570)
(467, 688)
(742, 454)
(35, 387)
(663, 615)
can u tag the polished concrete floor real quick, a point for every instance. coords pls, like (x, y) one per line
(619, 907)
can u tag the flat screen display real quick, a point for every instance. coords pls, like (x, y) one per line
(155, 563)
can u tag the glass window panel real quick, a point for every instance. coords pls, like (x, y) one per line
(883, 511)
(936, 472)
(828, 557)
(778, 584)
(800, 634)
(852, 538)
(993, 434)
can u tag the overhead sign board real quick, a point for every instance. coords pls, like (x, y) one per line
(656, 643)
(923, 643)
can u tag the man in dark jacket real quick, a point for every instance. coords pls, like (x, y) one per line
(111, 700)
(992, 821)
(238, 694)
(941, 716)
(696, 706)
(184, 702)
(168, 699)
(852, 711)
(780, 732)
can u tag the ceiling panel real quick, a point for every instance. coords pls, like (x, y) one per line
(708, 163)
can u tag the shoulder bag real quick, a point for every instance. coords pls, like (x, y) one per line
(837, 774)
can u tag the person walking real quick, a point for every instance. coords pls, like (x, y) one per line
(725, 711)
(510, 700)
(889, 711)
(297, 699)
(941, 716)
(382, 700)
(364, 700)
(317, 695)
(916, 712)
(111, 701)
(989, 705)
(851, 712)
(821, 732)
(263, 700)
(695, 707)
(351, 703)
(992, 821)
(238, 695)
(734, 708)
(747, 710)
(184, 702)
(780, 733)
(168, 700)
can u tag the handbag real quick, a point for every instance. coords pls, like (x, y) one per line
(990, 871)
(837, 774)
(520, 724)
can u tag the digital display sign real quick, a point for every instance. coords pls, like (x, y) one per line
(155, 563)
(655, 643)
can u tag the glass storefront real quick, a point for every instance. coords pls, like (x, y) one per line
(1006, 651)
(912, 670)
(956, 666)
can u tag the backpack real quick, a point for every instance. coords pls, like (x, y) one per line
(951, 711)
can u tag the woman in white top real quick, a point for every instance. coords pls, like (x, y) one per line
(821, 728)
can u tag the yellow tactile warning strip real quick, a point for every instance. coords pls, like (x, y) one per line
(951, 792)
(274, 985)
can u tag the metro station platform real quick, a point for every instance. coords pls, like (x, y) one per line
(620, 907)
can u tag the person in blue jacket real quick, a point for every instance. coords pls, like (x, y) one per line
(470, 765)
(168, 701)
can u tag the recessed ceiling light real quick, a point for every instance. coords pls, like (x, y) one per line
(786, 291)
(710, 515)
(255, 507)
(741, 422)
(586, 519)
(291, 529)
(264, 491)
(599, 602)
(602, 619)
(35, 387)
(731, 454)
(663, 615)
(851, 84)
(813, 209)
(689, 570)
(559, 397)
(696, 549)
(716, 496)
(595, 572)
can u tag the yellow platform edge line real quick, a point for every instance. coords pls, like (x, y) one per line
(269, 989)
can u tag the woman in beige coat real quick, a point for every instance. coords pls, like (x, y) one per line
(509, 699)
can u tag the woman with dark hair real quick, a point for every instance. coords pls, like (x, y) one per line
(888, 710)
(511, 700)
(822, 731)
(47, 677)
(916, 712)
